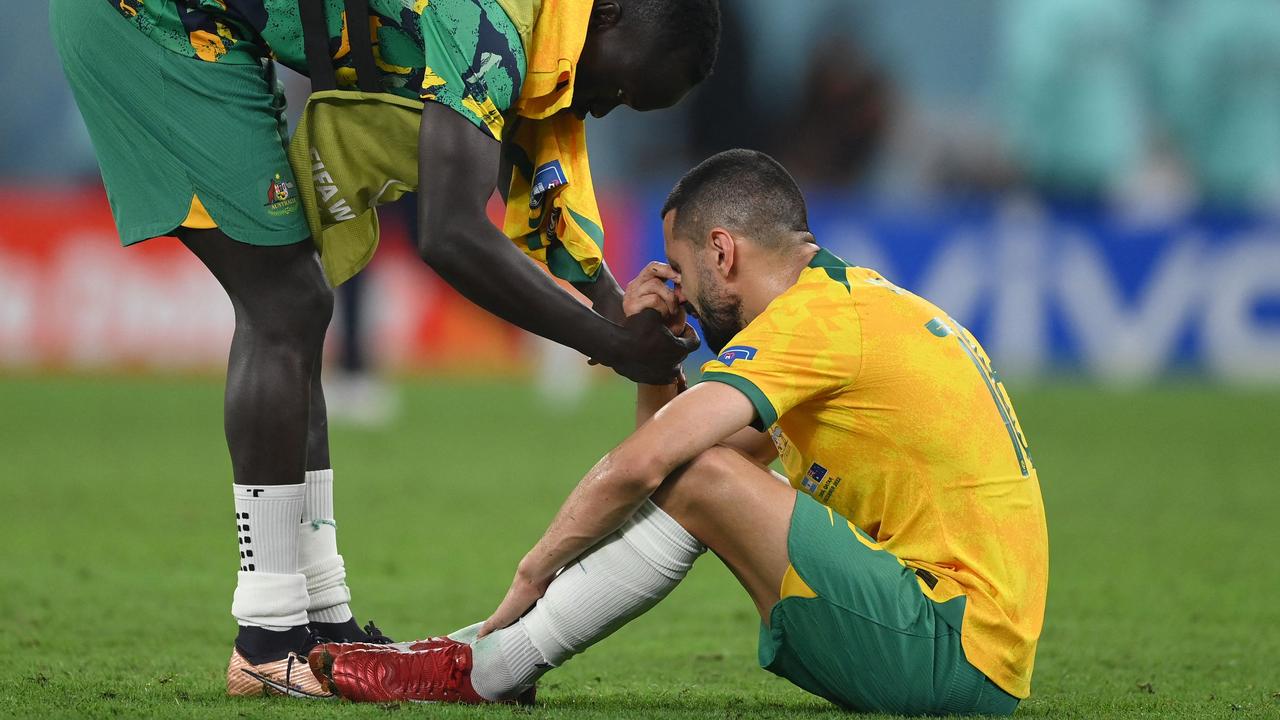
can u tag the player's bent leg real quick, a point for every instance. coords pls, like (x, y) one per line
(740, 511)
(842, 617)
(858, 626)
(619, 579)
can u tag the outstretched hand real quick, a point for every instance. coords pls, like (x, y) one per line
(521, 596)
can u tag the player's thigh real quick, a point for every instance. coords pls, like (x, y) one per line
(167, 128)
(272, 285)
(738, 509)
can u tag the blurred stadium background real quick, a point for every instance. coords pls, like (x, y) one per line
(1091, 186)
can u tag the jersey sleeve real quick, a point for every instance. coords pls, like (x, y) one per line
(794, 352)
(475, 60)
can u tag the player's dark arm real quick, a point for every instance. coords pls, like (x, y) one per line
(605, 294)
(458, 167)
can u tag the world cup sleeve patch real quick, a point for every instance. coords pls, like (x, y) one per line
(548, 176)
(738, 352)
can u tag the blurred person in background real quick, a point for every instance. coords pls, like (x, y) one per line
(831, 137)
(1219, 73)
(723, 111)
(355, 390)
(1072, 74)
(181, 100)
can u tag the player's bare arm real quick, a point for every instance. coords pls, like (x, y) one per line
(649, 290)
(691, 423)
(458, 171)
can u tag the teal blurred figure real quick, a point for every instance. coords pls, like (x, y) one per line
(1072, 78)
(1219, 71)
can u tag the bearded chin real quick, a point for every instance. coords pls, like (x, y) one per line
(720, 322)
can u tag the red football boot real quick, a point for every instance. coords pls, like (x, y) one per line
(321, 657)
(437, 674)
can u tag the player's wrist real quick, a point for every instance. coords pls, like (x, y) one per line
(615, 343)
(529, 570)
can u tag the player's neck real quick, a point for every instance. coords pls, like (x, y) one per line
(782, 271)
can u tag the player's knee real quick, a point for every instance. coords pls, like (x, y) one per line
(316, 304)
(294, 311)
(713, 464)
(694, 487)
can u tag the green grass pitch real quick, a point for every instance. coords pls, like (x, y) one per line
(120, 555)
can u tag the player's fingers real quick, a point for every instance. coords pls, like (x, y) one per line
(655, 295)
(658, 269)
(501, 618)
(667, 297)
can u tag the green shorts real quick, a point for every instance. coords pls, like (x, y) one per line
(859, 632)
(168, 127)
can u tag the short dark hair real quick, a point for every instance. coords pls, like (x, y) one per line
(690, 28)
(742, 190)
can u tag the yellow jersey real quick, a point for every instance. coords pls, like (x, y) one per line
(887, 411)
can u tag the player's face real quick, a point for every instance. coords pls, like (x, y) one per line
(701, 289)
(617, 70)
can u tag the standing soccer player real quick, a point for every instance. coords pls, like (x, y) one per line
(185, 114)
(902, 570)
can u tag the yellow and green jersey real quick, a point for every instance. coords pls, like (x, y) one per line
(466, 54)
(887, 411)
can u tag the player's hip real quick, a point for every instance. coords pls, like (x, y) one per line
(855, 626)
(167, 128)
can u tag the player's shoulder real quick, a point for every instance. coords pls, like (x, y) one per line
(817, 311)
(823, 290)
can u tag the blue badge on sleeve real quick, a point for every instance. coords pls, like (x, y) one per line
(545, 178)
(737, 352)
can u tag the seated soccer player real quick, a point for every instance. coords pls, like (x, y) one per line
(902, 569)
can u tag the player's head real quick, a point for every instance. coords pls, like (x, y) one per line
(645, 53)
(728, 223)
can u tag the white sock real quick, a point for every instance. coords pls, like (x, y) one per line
(318, 558)
(613, 583)
(270, 592)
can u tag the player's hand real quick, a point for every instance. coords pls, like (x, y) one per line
(651, 354)
(659, 334)
(649, 289)
(522, 595)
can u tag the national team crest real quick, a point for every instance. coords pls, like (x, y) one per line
(280, 197)
(737, 352)
(278, 191)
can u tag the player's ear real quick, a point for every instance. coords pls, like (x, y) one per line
(606, 13)
(721, 243)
